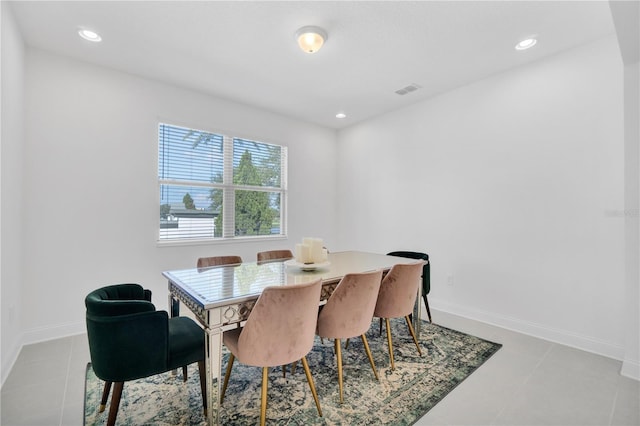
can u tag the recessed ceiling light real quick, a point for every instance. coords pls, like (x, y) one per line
(341, 115)
(89, 35)
(526, 43)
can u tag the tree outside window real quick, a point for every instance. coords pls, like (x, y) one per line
(216, 186)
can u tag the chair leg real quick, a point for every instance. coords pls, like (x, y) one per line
(339, 358)
(105, 396)
(263, 398)
(226, 376)
(393, 365)
(293, 367)
(426, 304)
(366, 348)
(184, 373)
(346, 345)
(380, 327)
(202, 369)
(311, 385)
(115, 403)
(413, 334)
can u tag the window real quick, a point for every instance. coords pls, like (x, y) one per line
(215, 186)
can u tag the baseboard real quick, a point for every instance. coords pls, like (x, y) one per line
(42, 334)
(37, 335)
(564, 337)
(9, 361)
(630, 369)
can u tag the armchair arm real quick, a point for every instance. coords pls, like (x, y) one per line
(119, 299)
(109, 308)
(128, 347)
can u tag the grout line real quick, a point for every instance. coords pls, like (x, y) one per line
(66, 383)
(524, 383)
(542, 358)
(613, 406)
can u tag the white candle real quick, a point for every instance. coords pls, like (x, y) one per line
(316, 250)
(305, 253)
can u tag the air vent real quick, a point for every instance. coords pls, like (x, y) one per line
(410, 88)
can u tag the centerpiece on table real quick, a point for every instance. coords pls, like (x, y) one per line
(309, 255)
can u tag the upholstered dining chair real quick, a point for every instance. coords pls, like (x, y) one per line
(348, 313)
(397, 297)
(273, 255)
(206, 262)
(129, 339)
(279, 330)
(426, 273)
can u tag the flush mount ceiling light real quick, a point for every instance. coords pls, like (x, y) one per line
(89, 35)
(526, 43)
(310, 38)
(341, 115)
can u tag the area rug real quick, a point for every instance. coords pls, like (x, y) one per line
(400, 397)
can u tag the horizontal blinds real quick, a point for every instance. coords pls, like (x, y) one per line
(189, 155)
(199, 175)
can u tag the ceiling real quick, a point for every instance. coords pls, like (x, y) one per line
(245, 51)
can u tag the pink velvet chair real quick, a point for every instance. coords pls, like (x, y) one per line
(397, 297)
(274, 255)
(279, 330)
(206, 262)
(348, 313)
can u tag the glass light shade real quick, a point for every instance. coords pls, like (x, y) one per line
(310, 39)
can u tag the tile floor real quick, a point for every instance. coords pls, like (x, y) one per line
(527, 382)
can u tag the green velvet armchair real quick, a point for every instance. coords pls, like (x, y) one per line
(426, 273)
(129, 339)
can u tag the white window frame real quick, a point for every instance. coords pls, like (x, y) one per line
(229, 189)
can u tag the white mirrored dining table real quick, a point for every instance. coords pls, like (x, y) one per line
(221, 297)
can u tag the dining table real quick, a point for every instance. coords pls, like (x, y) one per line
(221, 297)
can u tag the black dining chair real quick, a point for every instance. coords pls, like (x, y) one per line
(129, 339)
(426, 273)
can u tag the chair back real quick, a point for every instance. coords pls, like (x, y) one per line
(119, 299)
(398, 291)
(127, 336)
(273, 255)
(426, 268)
(206, 262)
(349, 310)
(281, 326)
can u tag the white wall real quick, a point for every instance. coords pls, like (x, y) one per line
(90, 184)
(626, 17)
(631, 363)
(12, 89)
(512, 185)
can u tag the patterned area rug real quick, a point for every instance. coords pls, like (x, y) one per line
(401, 397)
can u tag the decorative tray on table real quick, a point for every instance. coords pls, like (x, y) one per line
(306, 266)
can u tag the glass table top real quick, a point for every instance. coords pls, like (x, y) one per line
(222, 285)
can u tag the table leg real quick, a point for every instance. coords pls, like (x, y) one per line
(174, 306)
(174, 311)
(213, 361)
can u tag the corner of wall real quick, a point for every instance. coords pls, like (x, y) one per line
(11, 145)
(630, 369)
